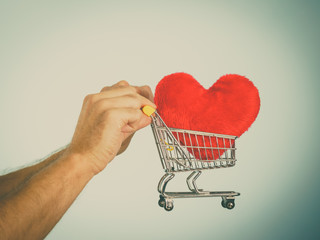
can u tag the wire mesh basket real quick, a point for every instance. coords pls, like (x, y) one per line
(186, 150)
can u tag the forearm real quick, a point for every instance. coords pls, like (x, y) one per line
(34, 199)
(33, 211)
(11, 181)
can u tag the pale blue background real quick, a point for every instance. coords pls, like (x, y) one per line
(53, 53)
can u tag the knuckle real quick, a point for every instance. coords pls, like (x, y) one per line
(95, 97)
(87, 98)
(146, 92)
(101, 105)
(91, 98)
(134, 100)
(105, 89)
(123, 83)
(132, 90)
(146, 87)
(111, 114)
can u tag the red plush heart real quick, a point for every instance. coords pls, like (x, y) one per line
(228, 107)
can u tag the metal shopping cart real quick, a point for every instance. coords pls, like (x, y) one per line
(185, 150)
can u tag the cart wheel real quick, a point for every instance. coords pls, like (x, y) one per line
(168, 205)
(162, 201)
(230, 204)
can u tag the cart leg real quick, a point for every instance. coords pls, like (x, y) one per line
(194, 176)
(188, 180)
(164, 181)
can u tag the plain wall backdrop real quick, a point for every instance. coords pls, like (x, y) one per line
(53, 53)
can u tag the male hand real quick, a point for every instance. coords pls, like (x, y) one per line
(107, 121)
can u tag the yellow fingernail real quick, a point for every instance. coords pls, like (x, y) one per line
(147, 110)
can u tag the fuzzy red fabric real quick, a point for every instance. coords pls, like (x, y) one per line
(228, 107)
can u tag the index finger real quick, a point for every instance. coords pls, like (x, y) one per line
(146, 92)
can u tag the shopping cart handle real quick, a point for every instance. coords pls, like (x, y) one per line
(147, 110)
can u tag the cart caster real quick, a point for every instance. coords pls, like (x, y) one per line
(228, 203)
(161, 201)
(168, 206)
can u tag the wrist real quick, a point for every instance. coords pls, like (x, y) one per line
(90, 162)
(79, 163)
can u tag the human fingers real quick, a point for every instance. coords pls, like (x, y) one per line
(146, 92)
(122, 83)
(109, 93)
(104, 124)
(135, 101)
(118, 90)
(129, 119)
(123, 87)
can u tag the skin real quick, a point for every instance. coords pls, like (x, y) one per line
(33, 199)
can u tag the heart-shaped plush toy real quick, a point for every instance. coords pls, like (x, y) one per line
(228, 107)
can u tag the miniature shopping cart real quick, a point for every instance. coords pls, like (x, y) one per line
(185, 150)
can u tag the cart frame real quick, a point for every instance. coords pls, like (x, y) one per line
(186, 150)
